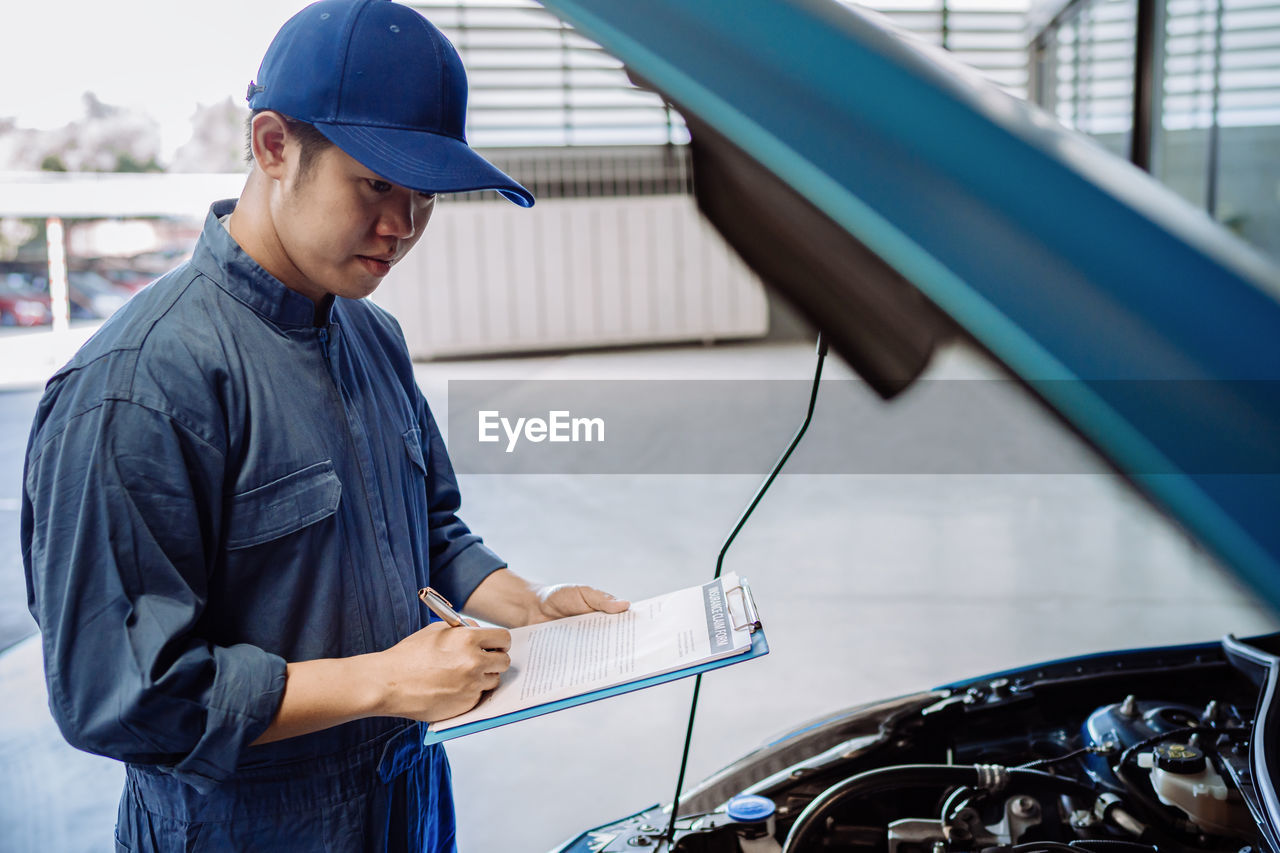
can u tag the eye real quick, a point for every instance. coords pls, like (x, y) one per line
(426, 197)
(379, 186)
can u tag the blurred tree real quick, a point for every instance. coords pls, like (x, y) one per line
(15, 233)
(107, 138)
(126, 163)
(217, 139)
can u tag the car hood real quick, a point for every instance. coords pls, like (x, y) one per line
(896, 198)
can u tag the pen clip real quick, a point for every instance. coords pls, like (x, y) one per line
(748, 607)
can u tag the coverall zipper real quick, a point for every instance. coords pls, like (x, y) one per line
(361, 447)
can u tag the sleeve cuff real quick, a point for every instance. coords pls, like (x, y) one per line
(463, 574)
(246, 694)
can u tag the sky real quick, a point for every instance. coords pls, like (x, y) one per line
(163, 57)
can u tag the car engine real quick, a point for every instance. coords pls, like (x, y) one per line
(1155, 751)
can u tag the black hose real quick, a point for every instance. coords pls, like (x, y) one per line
(1045, 762)
(1129, 753)
(916, 776)
(1153, 812)
(1057, 846)
(1087, 845)
(963, 792)
(1106, 845)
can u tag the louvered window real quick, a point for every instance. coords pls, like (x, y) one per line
(1213, 123)
(535, 82)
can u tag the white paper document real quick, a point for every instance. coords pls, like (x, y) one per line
(569, 657)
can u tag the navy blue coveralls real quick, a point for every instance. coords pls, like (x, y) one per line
(216, 484)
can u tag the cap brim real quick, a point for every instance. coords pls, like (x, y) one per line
(422, 161)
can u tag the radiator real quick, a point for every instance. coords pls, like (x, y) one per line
(489, 277)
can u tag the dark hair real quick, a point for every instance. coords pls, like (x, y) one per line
(310, 141)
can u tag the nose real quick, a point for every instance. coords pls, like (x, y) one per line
(396, 217)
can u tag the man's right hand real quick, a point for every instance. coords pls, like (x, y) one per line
(436, 673)
(440, 672)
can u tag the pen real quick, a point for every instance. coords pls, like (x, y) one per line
(440, 606)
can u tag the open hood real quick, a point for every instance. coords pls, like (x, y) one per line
(894, 197)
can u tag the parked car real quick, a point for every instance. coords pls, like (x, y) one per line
(896, 200)
(93, 296)
(21, 304)
(128, 279)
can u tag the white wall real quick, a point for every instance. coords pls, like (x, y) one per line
(490, 277)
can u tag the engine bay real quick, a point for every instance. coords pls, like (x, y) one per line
(1134, 752)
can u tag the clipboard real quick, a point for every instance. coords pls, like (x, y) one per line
(759, 647)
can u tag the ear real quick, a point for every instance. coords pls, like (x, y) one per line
(269, 138)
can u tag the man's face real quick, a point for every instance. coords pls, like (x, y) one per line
(343, 227)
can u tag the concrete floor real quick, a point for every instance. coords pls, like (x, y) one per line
(869, 586)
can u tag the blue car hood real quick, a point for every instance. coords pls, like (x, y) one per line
(1151, 330)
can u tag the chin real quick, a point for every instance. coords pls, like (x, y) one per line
(356, 289)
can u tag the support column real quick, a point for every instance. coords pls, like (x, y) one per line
(1148, 88)
(55, 239)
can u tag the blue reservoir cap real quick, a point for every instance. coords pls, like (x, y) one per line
(749, 808)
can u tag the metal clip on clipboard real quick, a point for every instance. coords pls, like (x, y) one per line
(751, 616)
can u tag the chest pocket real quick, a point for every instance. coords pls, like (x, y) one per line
(283, 506)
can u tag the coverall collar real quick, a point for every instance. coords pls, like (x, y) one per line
(220, 257)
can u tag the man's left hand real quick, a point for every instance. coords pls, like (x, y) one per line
(556, 602)
(504, 598)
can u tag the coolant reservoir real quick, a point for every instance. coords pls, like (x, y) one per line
(753, 816)
(1183, 777)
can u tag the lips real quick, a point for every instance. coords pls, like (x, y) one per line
(377, 264)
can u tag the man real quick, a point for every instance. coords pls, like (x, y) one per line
(235, 490)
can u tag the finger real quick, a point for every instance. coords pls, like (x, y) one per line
(605, 602)
(490, 639)
(496, 663)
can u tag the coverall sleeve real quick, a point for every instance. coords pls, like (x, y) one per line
(459, 558)
(121, 516)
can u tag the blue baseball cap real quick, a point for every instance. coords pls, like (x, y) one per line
(385, 86)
